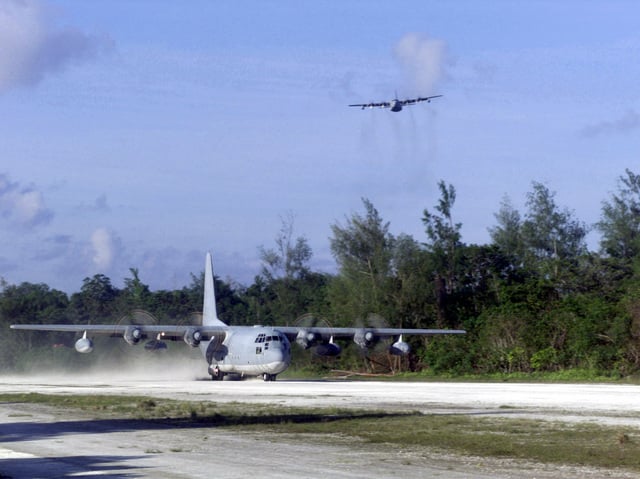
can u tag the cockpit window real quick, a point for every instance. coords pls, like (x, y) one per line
(263, 338)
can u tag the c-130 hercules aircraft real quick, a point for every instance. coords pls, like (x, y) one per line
(241, 350)
(396, 105)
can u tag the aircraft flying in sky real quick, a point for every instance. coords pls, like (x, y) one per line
(242, 350)
(395, 104)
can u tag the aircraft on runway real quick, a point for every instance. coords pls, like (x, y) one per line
(241, 350)
(396, 105)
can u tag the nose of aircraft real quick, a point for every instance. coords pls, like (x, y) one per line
(279, 355)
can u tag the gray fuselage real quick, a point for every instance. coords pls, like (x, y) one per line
(251, 352)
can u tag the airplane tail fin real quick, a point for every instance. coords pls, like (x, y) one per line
(209, 313)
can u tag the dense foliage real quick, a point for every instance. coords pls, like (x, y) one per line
(534, 299)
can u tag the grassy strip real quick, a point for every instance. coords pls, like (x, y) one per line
(540, 441)
(186, 413)
(563, 376)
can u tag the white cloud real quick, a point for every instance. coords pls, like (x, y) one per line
(423, 59)
(33, 47)
(22, 206)
(28, 206)
(103, 246)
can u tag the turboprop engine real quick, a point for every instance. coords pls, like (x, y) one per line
(192, 337)
(84, 345)
(306, 339)
(132, 335)
(365, 338)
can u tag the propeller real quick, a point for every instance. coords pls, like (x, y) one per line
(373, 350)
(139, 317)
(365, 337)
(193, 336)
(306, 322)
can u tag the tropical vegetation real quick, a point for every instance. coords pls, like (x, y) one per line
(533, 299)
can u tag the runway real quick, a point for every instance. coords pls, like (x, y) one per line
(37, 441)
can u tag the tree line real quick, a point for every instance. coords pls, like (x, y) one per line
(533, 299)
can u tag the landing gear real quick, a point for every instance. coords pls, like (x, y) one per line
(216, 374)
(268, 377)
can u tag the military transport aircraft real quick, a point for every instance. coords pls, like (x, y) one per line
(395, 104)
(242, 350)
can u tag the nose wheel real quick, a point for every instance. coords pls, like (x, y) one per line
(216, 374)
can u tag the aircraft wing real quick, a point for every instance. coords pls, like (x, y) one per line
(352, 332)
(163, 330)
(193, 334)
(413, 101)
(384, 104)
(364, 337)
(168, 330)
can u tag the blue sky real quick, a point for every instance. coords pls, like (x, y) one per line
(144, 133)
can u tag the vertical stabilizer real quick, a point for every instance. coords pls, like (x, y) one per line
(209, 314)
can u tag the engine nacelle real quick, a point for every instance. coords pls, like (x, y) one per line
(84, 345)
(365, 338)
(132, 335)
(192, 337)
(328, 349)
(306, 339)
(399, 348)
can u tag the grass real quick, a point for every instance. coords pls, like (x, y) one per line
(574, 375)
(540, 441)
(559, 443)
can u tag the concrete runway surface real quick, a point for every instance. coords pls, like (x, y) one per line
(38, 441)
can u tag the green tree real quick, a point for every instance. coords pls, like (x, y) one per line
(483, 272)
(413, 292)
(29, 303)
(507, 235)
(620, 220)
(180, 305)
(443, 234)
(444, 243)
(286, 288)
(290, 259)
(553, 238)
(363, 249)
(96, 300)
(135, 292)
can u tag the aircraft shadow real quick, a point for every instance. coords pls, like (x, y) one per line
(69, 466)
(31, 431)
(107, 466)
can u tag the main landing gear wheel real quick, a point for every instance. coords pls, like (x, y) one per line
(216, 374)
(269, 377)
